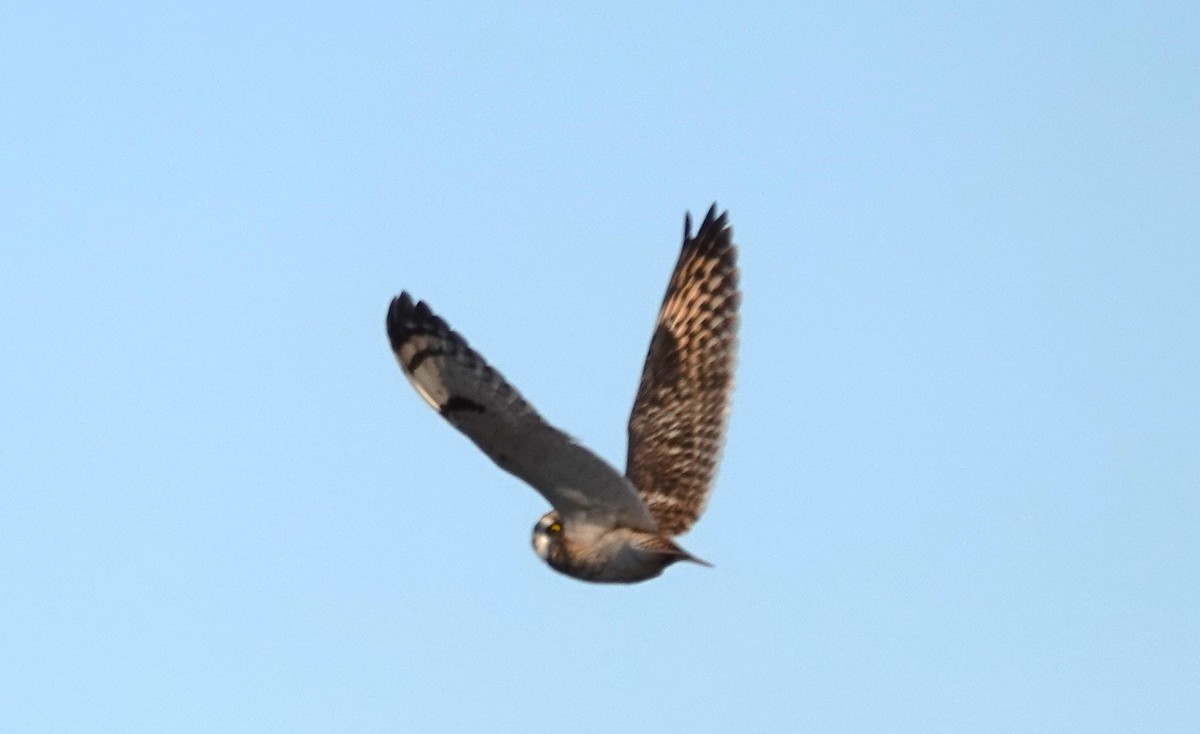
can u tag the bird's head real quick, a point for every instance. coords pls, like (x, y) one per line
(547, 535)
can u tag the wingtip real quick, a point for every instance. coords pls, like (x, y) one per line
(404, 306)
(405, 315)
(402, 303)
(714, 224)
(714, 227)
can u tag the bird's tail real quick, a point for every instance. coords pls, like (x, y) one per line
(685, 556)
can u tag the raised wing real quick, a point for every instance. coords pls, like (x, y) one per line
(475, 399)
(677, 427)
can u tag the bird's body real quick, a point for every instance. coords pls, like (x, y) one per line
(617, 554)
(605, 527)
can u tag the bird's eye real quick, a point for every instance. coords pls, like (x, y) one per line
(555, 528)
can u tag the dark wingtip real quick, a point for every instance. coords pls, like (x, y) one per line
(400, 303)
(399, 318)
(713, 226)
(406, 317)
(709, 219)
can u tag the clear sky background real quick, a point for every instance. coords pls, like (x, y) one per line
(961, 490)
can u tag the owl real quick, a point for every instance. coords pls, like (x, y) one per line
(605, 526)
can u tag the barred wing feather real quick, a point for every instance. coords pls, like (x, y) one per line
(460, 385)
(677, 427)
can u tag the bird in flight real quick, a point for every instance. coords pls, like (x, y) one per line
(605, 526)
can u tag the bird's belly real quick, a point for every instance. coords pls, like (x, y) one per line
(618, 561)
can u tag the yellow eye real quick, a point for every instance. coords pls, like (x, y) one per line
(555, 527)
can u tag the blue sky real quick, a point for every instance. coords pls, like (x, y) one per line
(961, 490)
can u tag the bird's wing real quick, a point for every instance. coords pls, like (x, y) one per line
(461, 386)
(677, 427)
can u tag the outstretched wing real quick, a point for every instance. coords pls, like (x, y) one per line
(677, 427)
(475, 399)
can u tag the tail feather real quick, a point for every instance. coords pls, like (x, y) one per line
(683, 555)
(664, 546)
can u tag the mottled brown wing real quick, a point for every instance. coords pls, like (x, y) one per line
(677, 427)
(474, 398)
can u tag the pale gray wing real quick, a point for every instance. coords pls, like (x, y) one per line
(677, 427)
(461, 386)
